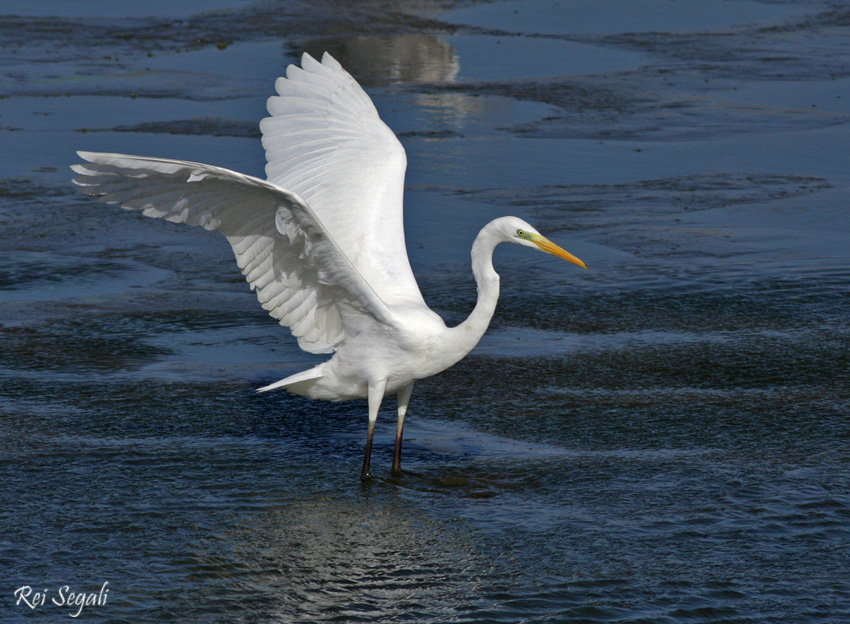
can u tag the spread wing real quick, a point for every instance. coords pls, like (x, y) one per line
(326, 142)
(300, 274)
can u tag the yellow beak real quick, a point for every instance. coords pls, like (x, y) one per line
(549, 247)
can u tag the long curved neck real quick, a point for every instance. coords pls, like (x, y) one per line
(472, 329)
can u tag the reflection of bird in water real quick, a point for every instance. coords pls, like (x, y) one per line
(322, 241)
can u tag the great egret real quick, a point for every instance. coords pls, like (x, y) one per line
(322, 240)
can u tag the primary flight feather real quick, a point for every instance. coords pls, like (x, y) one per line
(321, 241)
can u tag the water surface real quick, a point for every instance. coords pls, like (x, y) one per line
(662, 438)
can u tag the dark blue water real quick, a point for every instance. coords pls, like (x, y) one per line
(664, 438)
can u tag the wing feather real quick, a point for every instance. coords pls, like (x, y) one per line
(325, 142)
(299, 273)
(323, 240)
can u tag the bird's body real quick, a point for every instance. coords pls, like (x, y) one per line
(402, 358)
(322, 240)
(416, 343)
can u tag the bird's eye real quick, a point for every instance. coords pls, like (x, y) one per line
(520, 233)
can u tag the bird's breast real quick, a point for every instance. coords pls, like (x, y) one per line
(417, 346)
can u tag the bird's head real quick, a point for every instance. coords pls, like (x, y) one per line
(515, 230)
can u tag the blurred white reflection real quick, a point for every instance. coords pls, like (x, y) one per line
(327, 559)
(391, 58)
(409, 59)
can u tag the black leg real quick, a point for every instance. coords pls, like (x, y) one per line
(403, 401)
(376, 395)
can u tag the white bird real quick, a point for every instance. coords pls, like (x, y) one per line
(322, 240)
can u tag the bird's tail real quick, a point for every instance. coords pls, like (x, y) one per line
(288, 382)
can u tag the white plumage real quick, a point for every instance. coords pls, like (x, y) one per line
(322, 240)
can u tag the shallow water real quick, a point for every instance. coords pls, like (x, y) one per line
(661, 438)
